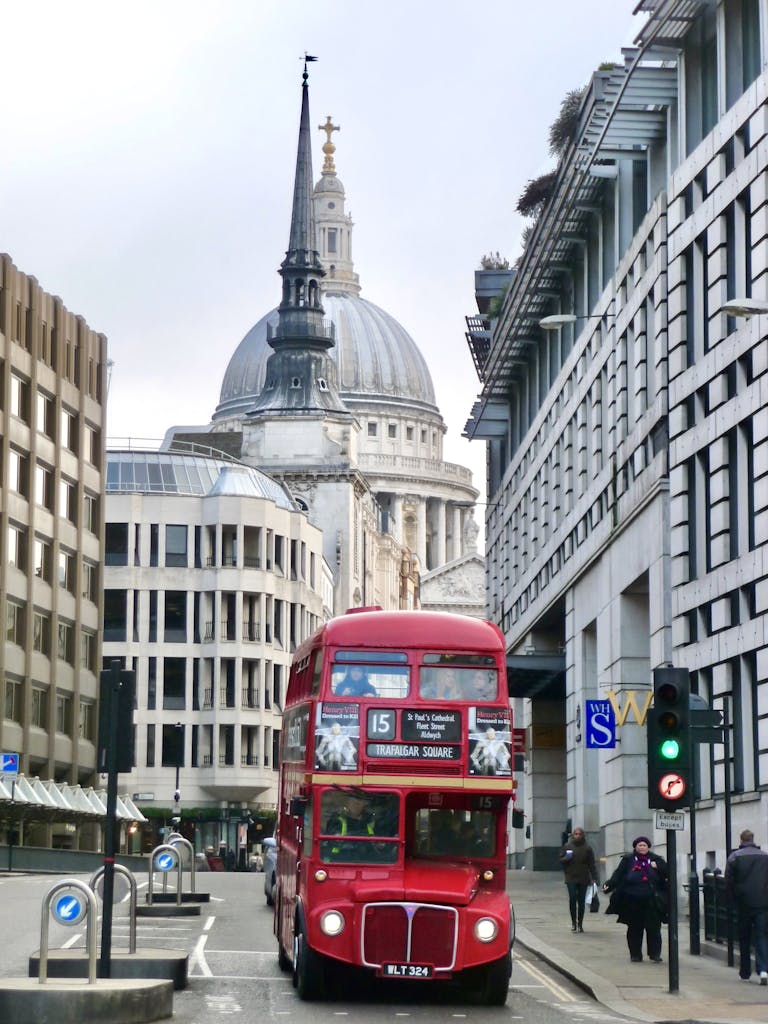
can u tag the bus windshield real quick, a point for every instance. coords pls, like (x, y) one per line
(364, 827)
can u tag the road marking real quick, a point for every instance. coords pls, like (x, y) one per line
(70, 942)
(198, 957)
(556, 990)
(208, 924)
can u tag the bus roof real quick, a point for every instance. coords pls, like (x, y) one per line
(407, 629)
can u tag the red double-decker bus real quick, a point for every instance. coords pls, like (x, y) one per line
(395, 782)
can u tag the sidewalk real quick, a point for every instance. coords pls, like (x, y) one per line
(598, 961)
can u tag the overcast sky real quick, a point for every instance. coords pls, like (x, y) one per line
(148, 152)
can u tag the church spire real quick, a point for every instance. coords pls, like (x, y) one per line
(300, 374)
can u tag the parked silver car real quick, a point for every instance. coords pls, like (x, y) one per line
(269, 852)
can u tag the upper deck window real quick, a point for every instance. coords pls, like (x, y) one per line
(388, 680)
(444, 677)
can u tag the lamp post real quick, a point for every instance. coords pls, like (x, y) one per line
(744, 307)
(179, 754)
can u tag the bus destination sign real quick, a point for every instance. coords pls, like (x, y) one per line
(415, 751)
(432, 726)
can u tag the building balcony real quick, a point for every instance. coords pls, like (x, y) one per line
(410, 467)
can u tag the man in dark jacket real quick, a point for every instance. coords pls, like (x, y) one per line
(746, 881)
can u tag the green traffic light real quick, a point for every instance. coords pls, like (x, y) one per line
(670, 749)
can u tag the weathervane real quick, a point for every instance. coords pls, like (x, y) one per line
(306, 58)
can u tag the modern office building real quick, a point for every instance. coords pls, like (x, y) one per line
(52, 419)
(213, 576)
(624, 408)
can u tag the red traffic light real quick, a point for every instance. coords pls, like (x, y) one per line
(667, 692)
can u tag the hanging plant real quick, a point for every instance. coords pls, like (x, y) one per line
(535, 194)
(563, 130)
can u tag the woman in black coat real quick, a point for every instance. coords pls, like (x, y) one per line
(638, 889)
(578, 860)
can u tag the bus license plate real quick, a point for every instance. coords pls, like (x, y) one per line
(407, 971)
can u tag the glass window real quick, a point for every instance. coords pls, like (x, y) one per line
(88, 650)
(173, 746)
(68, 500)
(43, 559)
(17, 547)
(176, 545)
(116, 544)
(18, 472)
(453, 832)
(14, 623)
(115, 614)
(14, 704)
(389, 681)
(174, 683)
(91, 513)
(175, 616)
(449, 682)
(65, 646)
(45, 414)
(364, 827)
(67, 570)
(39, 713)
(41, 633)
(93, 445)
(150, 746)
(44, 487)
(372, 428)
(392, 429)
(69, 430)
(64, 713)
(87, 725)
(19, 398)
(90, 581)
(331, 240)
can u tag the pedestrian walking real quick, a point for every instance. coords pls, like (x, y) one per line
(638, 889)
(746, 882)
(578, 860)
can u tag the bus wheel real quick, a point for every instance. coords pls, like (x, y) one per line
(308, 969)
(495, 988)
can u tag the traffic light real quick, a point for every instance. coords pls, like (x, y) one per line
(669, 741)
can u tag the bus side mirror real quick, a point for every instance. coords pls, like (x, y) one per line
(298, 806)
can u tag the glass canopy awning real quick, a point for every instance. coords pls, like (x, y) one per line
(60, 800)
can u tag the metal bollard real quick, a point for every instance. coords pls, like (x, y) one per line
(164, 848)
(74, 915)
(120, 869)
(174, 839)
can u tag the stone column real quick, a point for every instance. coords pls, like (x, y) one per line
(398, 529)
(440, 538)
(421, 532)
(456, 531)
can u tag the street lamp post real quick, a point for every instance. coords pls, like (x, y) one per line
(179, 754)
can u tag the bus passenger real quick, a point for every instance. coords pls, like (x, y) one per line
(441, 684)
(355, 819)
(483, 685)
(355, 684)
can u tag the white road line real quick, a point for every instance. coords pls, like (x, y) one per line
(71, 942)
(208, 924)
(247, 977)
(198, 957)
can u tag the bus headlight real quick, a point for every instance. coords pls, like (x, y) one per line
(332, 922)
(486, 929)
(320, 875)
(488, 875)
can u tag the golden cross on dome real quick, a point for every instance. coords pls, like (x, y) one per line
(328, 147)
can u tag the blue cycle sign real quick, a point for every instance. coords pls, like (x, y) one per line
(165, 861)
(9, 764)
(69, 908)
(600, 719)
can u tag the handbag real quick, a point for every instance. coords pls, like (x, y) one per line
(592, 898)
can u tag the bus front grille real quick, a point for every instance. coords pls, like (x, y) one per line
(418, 933)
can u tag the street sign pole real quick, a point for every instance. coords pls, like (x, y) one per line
(10, 766)
(112, 693)
(674, 966)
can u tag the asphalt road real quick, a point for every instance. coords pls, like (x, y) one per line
(234, 973)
